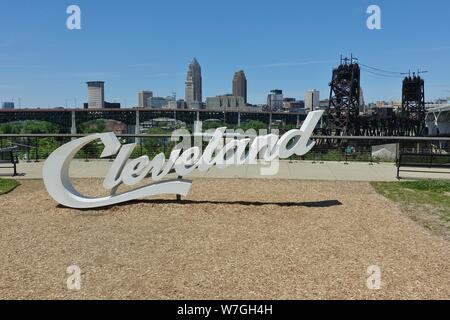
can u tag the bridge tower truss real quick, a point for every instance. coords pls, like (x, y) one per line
(344, 102)
(412, 116)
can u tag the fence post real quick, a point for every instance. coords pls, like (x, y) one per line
(371, 156)
(36, 151)
(137, 127)
(397, 153)
(431, 159)
(28, 149)
(73, 129)
(164, 146)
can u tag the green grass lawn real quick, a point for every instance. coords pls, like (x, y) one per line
(425, 201)
(7, 185)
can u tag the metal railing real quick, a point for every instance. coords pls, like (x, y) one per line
(37, 147)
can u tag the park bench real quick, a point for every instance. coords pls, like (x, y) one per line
(8, 156)
(422, 160)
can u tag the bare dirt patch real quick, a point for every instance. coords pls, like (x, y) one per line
(231, 239)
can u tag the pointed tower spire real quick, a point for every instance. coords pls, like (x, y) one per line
(193, 82)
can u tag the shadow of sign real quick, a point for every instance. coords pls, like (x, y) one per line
(312, 204)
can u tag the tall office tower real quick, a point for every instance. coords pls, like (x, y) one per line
(143, 98)
(312, 100)
(240, 85)
(194, 82)
(8, 105)
(96, 94)
(275, 100)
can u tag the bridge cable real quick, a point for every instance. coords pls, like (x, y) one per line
(380, 70)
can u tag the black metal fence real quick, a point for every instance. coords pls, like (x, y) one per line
(37, 147)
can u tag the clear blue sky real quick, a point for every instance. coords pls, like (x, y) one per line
(144, 44)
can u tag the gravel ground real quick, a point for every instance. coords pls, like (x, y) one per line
(232, 239)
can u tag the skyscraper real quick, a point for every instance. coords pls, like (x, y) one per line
(194, 82)
(96, 94)
(143, 98)
(240, 85)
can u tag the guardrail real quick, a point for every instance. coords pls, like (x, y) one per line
(37, 147)
(315, 137)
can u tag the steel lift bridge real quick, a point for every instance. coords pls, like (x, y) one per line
(344, 116)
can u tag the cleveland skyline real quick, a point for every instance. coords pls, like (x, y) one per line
(288, 46)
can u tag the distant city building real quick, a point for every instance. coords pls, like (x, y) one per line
(293, 105)
(176, 104)
(181, 104)
(193, 90)
(323, 104)
(382, 104)
(143, 98)
(172, 104)
(96, 94)
(225, 102)
(195, 105)
(8, 105)
(312, 100)
(389, 104)
(240, 85)
(396, 104)
(157, 102)
(275, 100)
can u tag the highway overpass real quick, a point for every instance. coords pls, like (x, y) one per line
(438, 121)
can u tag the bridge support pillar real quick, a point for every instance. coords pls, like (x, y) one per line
(239, 119)
(298, 120)
(197, 114)
(73, 128)
(270, 121)
(137, 127)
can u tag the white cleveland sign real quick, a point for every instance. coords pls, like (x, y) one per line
(130, 172)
